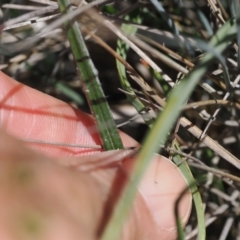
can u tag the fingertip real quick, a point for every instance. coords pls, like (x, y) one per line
(160, 187)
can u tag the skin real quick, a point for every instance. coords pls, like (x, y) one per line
(49, 192)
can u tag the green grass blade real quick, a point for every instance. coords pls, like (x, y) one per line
(184, 168)
(122, 49)
(67, 91)
(237, 12)
(161, 128)
(165, 16)
(205, 22)
(92, 87)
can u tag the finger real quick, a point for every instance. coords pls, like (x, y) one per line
(46, 118)
(30, 114)
(43, 200)
(47, 201)
(152, 215)
(160, 188)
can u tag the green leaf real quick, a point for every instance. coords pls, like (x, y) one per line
(91, 84)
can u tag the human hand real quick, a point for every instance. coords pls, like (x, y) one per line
(45, 191)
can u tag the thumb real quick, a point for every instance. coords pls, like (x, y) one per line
(152, 215)
(40, 199)
(160, 188)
